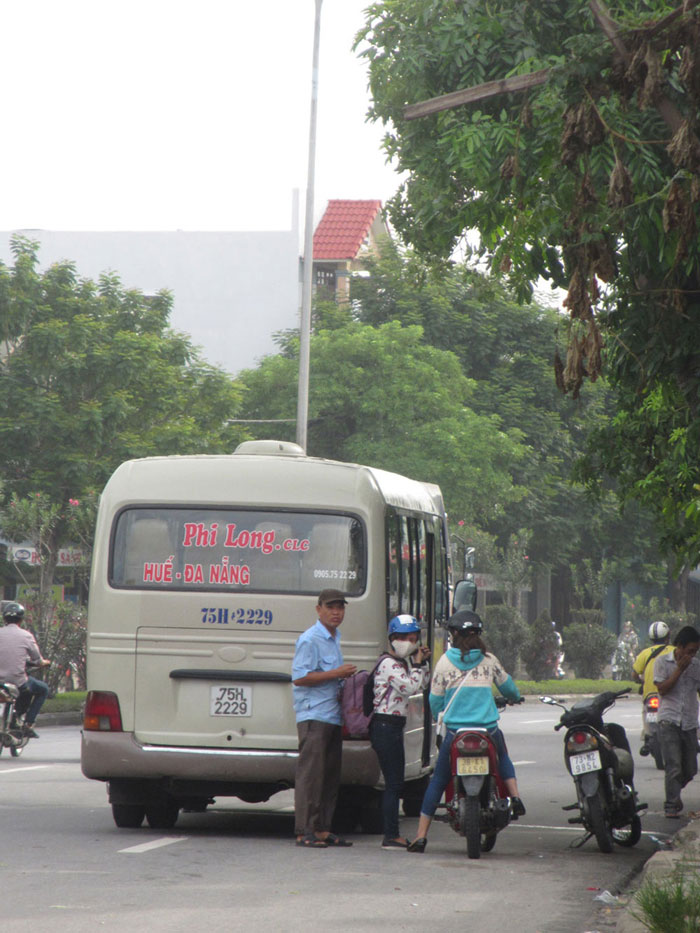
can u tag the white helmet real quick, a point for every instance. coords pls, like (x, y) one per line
(658, 631)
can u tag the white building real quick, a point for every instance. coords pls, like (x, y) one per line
(231, 291)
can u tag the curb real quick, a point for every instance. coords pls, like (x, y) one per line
(685, 853)
(68, 718)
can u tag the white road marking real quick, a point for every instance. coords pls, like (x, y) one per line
(25, 768)
(524, 762)
(577, 828)
(531, 722)
(155, 844)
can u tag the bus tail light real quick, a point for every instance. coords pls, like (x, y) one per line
(102, 713)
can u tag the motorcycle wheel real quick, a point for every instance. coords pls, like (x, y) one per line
(599, 826)
(630, 835)
(16, 750)
(470, 810)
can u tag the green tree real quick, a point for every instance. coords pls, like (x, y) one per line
(505, 632)
(380, 395)
(588, 648)
(91, 375)
(590, 179)
(540, 650)
(507, 350)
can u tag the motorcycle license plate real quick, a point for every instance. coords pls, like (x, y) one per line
(585, 762)
(652, 717)
(472, 766)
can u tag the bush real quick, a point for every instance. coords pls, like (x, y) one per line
(504, 634)
(557, 688)
(673, 904)
(540, 649)
(588, 648)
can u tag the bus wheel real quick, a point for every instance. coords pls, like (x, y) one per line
(162, 815)
(127, 815)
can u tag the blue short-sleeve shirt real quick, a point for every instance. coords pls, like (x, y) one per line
(317, 650)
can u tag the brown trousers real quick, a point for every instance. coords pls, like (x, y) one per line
(317, 776)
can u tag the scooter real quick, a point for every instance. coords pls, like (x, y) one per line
(598, 758)
(478, 805)
(12, 734)
(651, 745)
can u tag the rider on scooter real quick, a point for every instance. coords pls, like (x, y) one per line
(471, 703)
(18, 648)
(643, 671)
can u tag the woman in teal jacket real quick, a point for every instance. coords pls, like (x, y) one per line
(461, 686)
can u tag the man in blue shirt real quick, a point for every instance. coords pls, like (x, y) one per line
(317, 670)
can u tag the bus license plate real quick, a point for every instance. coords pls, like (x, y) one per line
(652, 717)
(587, 761)
(472, 766)
(231, 701)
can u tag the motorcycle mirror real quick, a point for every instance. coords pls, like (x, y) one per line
(549, 700)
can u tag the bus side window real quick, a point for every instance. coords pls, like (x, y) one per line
(148, 540)
(393, 558)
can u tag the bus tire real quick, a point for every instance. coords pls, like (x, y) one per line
(163, 814)
(128, 815)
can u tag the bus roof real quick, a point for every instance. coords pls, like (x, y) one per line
(264, 479)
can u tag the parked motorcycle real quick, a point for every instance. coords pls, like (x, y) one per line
(478, 805)
(652, 744)
(12, 734)
(598, 757)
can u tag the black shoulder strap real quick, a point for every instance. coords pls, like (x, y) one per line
(651, 657)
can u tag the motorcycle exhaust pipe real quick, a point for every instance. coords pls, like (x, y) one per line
(502, 813)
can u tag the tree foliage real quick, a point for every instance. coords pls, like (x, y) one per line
(507, 350)
(90, 375)
(382, 396)
(590, 180)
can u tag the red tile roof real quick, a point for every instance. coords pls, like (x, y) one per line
(343, 228)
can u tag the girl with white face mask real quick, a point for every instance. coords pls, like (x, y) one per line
(402, 672)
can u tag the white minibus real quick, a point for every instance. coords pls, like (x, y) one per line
(205, 571)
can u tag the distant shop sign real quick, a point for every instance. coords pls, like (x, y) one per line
(67, 556)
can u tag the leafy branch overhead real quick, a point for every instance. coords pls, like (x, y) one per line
(588, 176)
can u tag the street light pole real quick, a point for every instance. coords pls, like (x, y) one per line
(308, 265)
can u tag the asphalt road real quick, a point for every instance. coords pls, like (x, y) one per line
(64, 866)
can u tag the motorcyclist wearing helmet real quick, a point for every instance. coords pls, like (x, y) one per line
(643, 671)
(400, 674)
(18, 648)
(471, 703)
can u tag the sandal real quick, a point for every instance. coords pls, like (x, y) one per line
(311, 842)
(333, 840)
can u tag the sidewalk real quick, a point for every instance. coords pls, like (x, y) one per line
(684, 855)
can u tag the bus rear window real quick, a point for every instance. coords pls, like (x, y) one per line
(237, 551)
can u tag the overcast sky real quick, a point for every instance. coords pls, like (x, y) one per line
(179, 114)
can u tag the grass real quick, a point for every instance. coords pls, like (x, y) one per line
(669, 905)
(559, 688)
(74, 700)
(65, 702)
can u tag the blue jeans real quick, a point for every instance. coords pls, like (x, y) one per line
(31, 698)
(387, 741)
(443, 769)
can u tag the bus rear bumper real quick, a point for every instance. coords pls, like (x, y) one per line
(106, 756)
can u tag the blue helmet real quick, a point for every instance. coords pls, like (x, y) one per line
(403, 625)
